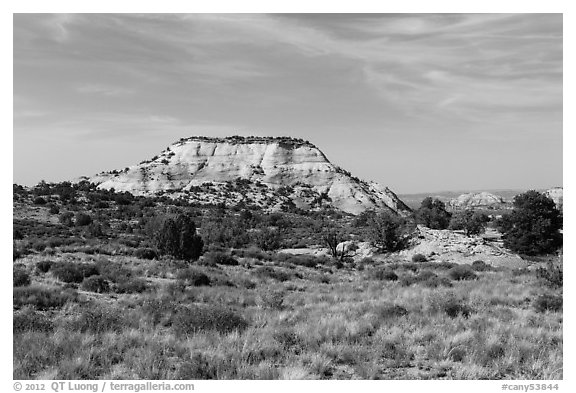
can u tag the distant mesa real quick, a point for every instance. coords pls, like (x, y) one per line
(477, 200)
(271, 173)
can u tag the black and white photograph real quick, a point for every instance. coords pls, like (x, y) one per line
(287, 196)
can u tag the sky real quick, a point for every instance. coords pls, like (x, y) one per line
(416, 102)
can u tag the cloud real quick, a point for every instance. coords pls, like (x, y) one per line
(104, 90)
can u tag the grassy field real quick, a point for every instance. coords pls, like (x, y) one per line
(275, 320)
(93, 299)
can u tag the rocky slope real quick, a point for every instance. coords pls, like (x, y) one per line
(270, 173)
(477, 200)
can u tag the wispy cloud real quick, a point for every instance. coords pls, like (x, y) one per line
(393, 77)
(104, 90)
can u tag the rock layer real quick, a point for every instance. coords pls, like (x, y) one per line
(267, 172)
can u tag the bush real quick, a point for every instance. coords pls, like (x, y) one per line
(547, 302)
(20, 277)
(269, 272)
(96, 284)
(453, 308)
(97, 319)
(481, 266)
(145, 253)
(533, 226)
(268, 239)
(82, 219)
(552, 274)
(383, 274)
(39, 201)
(462, 272)
(114, 272)
(44, 266)
(432, 214)
(74, 272)
(29, 320)
(66, 219)
(419, 258)
(192, 319)
(133, 285)
(41, 298)
(272, 299)
(54, 209)
(220, 258)
(472, 222)
(193, 277)
(388, 311)
(388, 232)
(176, 236)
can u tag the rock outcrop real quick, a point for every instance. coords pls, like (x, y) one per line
(557, 195)
(477, 200)
(270, 173)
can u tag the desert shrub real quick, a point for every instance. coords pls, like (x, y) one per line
(196, 368)
(472, 222)
(547, 302)
(419, 258)
(96, 319)
(44, 266)
(66, 219)
(96, 284)
(20, 277)
(246, 283)
(480, 266)
(29, 320)
(252, 253)
(220, 258)
(383, 274)
(309, 261)
(454, 308)
(145, 253)
(39, 201)
(425, 278)
(82, 219)
(114, 272)
(387, 311)
(462, 272)
(272, 299)
(191, 319)
(388, 232)
(74, 272)
(268, 239)
(552, 274)
(444, 265)
(176, 236)
(132, 285)
(432, 214)
(193, 277)
(41, 298)
(533, 226)
(269, 272)
(53, 209)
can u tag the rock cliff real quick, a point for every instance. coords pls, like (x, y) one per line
(270, 173)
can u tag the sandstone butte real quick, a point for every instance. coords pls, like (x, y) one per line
(262, 172)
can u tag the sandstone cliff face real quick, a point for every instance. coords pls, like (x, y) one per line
(266, 172)
(477, 200)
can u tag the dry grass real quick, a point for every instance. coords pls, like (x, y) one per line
(290, 325)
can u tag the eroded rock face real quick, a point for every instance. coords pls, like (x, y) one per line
(266, 172)
(557, 195)
(477, 200)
